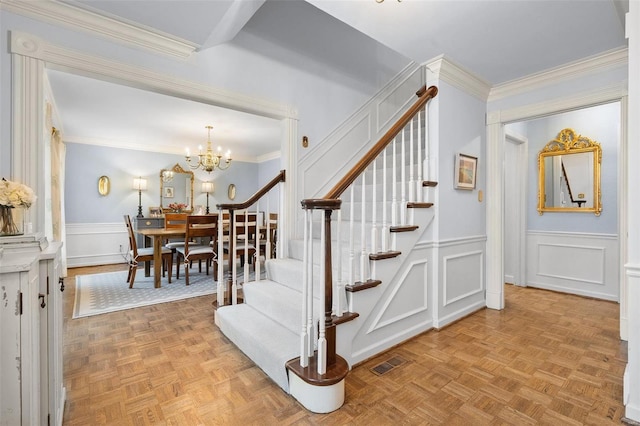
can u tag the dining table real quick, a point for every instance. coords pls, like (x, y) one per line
(158, 235)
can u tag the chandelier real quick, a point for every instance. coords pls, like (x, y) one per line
(209, 161)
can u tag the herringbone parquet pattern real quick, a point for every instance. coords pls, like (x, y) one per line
(547, 358)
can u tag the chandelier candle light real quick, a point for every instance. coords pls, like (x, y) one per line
(14, 197)
(209, 161)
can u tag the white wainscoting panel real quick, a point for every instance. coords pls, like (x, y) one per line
(461, 283)
(90, 244)
(576, 263)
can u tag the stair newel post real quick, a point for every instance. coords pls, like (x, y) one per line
(329, 327)
(384, 245)
(363, 236)
(403, 181)
(418, 182)
(220, 259)
(304, 334)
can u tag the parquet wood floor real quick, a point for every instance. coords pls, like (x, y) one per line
(548, 358)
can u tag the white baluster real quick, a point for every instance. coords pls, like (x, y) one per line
(256, 265)
(310, 328)
(267, 250)
(419, 189)
(394, 188)
(245, 271)
(322, 341)
(374, 210)
(363, 238)
(352, 252)
(412, 182)
(234, 267)
(385, 230)
(338, 292)
(220, 260)
(304, 336)
(427, 149)
(403, 182)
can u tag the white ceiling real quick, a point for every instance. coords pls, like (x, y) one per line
(498, 40)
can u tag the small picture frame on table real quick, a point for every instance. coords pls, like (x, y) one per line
(155, 212)
(466, 168)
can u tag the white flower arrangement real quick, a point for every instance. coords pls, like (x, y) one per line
(13, 194)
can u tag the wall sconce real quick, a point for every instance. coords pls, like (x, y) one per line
(140, 185)
(207, 187)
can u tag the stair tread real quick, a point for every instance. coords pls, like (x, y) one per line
(268, 344)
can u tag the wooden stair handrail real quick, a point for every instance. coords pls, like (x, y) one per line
(255, 197)
(424, 95)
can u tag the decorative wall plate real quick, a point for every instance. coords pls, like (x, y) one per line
(104, 185)
(231, 192)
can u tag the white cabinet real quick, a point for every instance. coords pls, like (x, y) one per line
(51, 330)
(31, 391)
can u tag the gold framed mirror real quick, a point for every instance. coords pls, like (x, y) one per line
(176, 187)
(569, 175)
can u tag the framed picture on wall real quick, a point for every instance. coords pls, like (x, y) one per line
(168, 192)
(465, 169)
(155, 212)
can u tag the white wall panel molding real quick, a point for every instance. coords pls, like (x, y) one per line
(462, 262)
(454, 242)
(607, 61)
(76, 19)
(415, 280)
(90, 244)
(442, 68)
(356, 134)
(142, 78)
(578, 263)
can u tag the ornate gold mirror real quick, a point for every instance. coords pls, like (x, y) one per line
(176, 187)
(569, 175)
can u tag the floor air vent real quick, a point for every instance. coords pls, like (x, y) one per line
(388, 365)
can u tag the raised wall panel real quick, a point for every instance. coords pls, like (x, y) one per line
(462, 276)
(461, 279)
(91, 244)
(576, 263)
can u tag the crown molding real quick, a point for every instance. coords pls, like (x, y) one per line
(111, 29)
(105, 69)
(595, 64)
(599, 96)
(444, 69)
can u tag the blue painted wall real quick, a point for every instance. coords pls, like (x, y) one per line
(86, 163)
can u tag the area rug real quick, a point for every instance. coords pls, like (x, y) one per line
(109, 292)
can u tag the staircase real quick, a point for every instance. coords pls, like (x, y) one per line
(330, 305)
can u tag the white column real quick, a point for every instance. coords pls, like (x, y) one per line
(631, 383)
(495, 193)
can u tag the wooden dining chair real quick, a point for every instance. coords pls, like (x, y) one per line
(137, 255)
(173, 221)
(200, 238)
